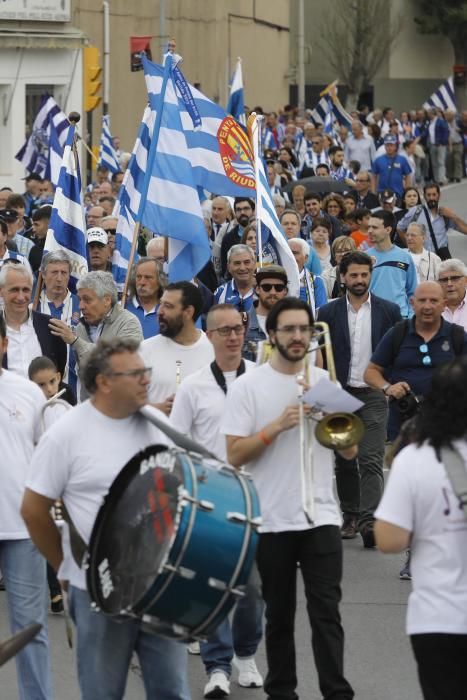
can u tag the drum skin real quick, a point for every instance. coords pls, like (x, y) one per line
(165, 546)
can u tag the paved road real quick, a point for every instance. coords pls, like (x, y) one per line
(379, 662)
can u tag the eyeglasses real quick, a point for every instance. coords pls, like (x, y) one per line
(225, 331)
(290, 330)
(136, 373)
(453, 278)
(267, 287)
(426, 359)
(242, 210)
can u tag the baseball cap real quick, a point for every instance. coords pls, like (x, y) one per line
(389, 138)
(274, 271)
(96, 234)
(8, 215)
(387, 196)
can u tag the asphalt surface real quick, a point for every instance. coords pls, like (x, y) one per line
(378, 660)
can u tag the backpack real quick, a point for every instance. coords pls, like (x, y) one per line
(401, 329)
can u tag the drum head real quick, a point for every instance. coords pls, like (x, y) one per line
(134, 529)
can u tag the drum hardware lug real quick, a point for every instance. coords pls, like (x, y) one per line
(244, 472)
(95, 608)
(256, 522)
(206, 505)
(217, 584)
(236, 518)
(180, 571)
(238, 592)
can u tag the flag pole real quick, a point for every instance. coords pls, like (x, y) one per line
(256, 141)
(147, 176)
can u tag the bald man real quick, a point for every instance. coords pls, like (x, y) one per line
(403, 362)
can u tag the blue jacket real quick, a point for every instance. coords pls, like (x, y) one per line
(384, 314)
(441, 132)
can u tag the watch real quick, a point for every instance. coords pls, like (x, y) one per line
(385, 387)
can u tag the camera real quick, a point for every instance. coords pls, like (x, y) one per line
(408, 406)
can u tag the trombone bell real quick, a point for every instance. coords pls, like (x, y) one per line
(338, 431)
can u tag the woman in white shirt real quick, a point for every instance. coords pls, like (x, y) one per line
(420, 507)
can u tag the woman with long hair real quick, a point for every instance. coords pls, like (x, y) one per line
(421, 508)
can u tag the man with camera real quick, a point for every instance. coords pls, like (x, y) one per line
(403, 362)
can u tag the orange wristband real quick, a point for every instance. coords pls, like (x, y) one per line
(264, 439)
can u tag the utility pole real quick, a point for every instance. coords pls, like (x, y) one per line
(301, 55)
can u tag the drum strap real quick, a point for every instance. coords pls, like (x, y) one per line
(77, 544)
(219, 374)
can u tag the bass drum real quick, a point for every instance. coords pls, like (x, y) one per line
(174, 543)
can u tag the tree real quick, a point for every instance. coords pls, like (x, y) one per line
(356, 38)
(448, 18)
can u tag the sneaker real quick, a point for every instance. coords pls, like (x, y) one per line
(194, 649)
(248, 674)
(368, 536)
(404, 573)
(349, 528)
(56, 604)
(218, 686)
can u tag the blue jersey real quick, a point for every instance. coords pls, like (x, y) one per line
(394, 277)
(229, 294)
(391, 172)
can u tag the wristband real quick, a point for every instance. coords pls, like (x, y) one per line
(264, 438)
(76, 338)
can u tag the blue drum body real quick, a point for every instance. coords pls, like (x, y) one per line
(174, 543)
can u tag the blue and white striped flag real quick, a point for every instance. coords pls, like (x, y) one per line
(236, 104)
(220, 152)
(54, 156)
(266, 215)
(107, 155)
(33, 154)
(330, 106)
(67, 228)
(444, 97)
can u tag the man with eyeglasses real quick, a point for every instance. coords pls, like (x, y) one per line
(197, 411)
(314, 156)
(261, 423)
(109, 224)
(271, 286)
(365, 198)
(80, 471)
(452, 276)
(404, 359)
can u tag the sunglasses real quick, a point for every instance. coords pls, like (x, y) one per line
(426, 359)
(267, 287)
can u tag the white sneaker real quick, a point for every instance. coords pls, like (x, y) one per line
(248, 674)
(218, 686)
(193, 648)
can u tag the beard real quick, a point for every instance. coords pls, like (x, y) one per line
(170, 329)
(358, 291)
(287, 355)
(432, 204)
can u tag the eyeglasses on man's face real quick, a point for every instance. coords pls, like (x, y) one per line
(133, 373)
(225, 331)
(451, 278)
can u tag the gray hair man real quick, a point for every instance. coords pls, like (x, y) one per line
(239, 291)
(102, 317)
(452, 276)
(426, 262)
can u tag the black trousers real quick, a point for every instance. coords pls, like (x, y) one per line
(441, 662)
(319, 553)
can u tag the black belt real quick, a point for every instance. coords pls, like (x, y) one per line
(359, 389)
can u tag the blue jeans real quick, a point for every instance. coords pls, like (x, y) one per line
(105, 648)
(242, 637)
(24, 573)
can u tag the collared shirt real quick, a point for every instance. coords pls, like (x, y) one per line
(148, 319)
(439, 224)
(426, 265)
(459, 315)
(23, 347)
(360, 341)
(68, 311)
(229, 294)
(23, 244)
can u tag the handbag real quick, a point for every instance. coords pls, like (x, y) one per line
(442, 252)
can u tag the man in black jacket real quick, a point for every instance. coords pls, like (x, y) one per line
(357, 322)
(244, 209)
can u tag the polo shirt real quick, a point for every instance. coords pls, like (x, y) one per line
(229, 294)
(408, 365)
(148, 319)
(391, 173)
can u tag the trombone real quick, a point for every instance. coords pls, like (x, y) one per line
(55, 400)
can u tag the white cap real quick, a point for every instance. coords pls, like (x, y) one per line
(97, 235)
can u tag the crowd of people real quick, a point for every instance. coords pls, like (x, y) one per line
(224, 358)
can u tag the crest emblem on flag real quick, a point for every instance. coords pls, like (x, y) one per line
(236, 153)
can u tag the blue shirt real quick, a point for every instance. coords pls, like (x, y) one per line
(408, 365)
(394, 277)
(391, 173)
(148, 319)
(229, 294)
(313, 264)
(439, 224)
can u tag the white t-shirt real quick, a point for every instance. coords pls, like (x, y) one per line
(198, 407)
(419, 498)
(255, 400)
(78, 458)
(21, 403)
(162, 354)
(23, 347)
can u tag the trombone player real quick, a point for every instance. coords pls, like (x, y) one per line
(261, 422)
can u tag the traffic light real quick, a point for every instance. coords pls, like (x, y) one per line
(91, 78)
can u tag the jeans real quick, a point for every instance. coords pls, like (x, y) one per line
(360, 482)
(24, 573)
(441, 665)
(105, 648)
(319, 553)
(242, 637)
